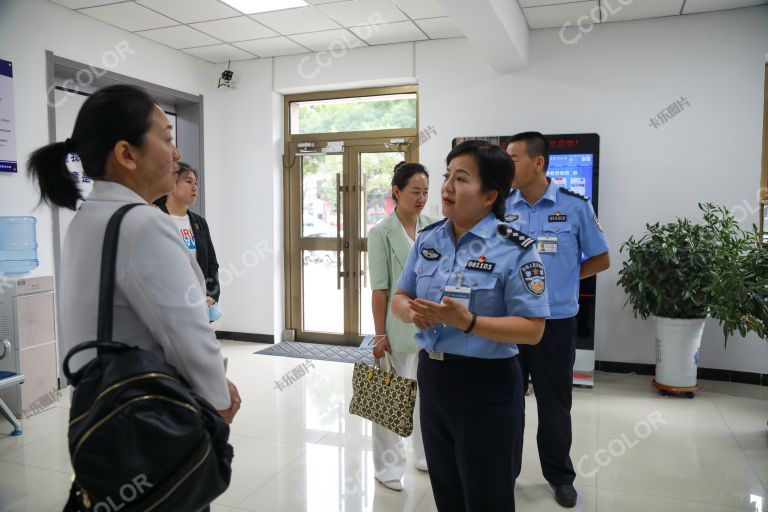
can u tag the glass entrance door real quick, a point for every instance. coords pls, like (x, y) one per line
(335, 196)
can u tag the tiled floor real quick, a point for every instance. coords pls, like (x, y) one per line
(299, 450)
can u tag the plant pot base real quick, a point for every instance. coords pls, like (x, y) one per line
(689, 391)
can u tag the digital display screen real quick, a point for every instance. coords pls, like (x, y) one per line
(572, 171)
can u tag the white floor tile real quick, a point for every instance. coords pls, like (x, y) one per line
(298, 449)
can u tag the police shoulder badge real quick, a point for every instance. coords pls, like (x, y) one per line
(574, 194)
(430, 254)
(594, 217)
(533, 277)
(515, 236)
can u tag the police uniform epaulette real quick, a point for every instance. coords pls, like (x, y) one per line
(515, 236)
(574, 194)
(432, 226)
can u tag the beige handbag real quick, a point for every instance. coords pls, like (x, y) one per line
(383, 397)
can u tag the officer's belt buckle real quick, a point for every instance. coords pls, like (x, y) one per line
(437, 356)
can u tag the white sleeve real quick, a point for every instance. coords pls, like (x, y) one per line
(161, 287)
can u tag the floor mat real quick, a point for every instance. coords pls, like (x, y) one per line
(338, 353)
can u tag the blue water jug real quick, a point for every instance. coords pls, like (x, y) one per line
(18, 245)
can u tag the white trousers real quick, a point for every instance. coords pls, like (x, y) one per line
(388, 447)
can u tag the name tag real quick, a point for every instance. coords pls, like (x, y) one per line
(547, 245)
(459, 293)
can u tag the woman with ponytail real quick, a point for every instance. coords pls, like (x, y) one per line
(125, 145)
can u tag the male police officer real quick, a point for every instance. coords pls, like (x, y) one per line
(565, 227)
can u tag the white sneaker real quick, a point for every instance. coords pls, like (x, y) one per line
(395, 485)
(421, 465)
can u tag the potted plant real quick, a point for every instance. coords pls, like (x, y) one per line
(680, 273)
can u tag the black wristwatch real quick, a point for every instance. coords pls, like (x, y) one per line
(471, 324)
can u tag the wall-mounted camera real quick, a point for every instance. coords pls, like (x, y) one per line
(225, 80)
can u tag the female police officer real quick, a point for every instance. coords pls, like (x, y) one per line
(474, 287)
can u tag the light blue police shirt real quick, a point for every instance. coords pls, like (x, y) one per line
(499, 264)
(568, 217)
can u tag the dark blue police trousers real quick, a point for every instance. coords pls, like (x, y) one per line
(550, 366)
(472, 425)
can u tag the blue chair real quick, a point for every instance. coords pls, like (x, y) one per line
(8, 379)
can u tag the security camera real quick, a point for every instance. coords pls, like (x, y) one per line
(226, 76)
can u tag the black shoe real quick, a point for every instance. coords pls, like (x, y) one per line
(565, 495)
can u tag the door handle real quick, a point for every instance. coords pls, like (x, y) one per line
(338, 232)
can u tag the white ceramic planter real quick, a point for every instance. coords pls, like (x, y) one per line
(677, 350)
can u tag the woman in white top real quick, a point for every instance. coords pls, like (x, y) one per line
(389, 243)
(193, 228)
(125, 145)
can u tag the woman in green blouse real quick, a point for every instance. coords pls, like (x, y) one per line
(389, 243)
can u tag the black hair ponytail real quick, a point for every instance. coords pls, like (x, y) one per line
(57, 185)
(111, 114)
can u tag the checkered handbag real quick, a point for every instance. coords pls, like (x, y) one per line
(383, 397)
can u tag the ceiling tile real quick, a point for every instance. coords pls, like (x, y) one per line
(539, 3)
(363, 12)
(557, 15)
(318, 2)
(259, 6)
(178, 37)
(241, 28)
(296, 21)
(615, 10)
(190, 11)
(439, 28)
(694, 6)
(129, 16)
(386, 33)
(272, 47)
(328, 40)
(418, 9)
(220, 53)
(79, 4)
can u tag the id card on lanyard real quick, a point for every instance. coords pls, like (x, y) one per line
(459, 293)
(547, 245)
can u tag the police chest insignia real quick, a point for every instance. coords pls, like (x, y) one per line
(557, 217)
(515, 236)
(533, 277)
(480, 264)
(511, 218)
(430, 254)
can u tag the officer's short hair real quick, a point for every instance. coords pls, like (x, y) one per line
(497, 170)
(535, 145)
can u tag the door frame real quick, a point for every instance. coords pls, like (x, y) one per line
(405, 140)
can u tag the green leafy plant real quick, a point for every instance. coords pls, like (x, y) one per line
(686, 270)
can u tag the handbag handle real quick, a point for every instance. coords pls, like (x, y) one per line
(103, 343)
(107, 280)
(102, 347)
(389, 363)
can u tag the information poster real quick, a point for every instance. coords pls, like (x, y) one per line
(7, 119)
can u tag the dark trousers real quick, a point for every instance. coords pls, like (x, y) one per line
(550, 367)
(472, 425)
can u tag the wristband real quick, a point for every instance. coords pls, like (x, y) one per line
(471, 324)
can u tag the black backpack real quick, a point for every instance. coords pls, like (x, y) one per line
(139, 437)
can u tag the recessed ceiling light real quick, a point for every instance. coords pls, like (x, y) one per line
(256, 6)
